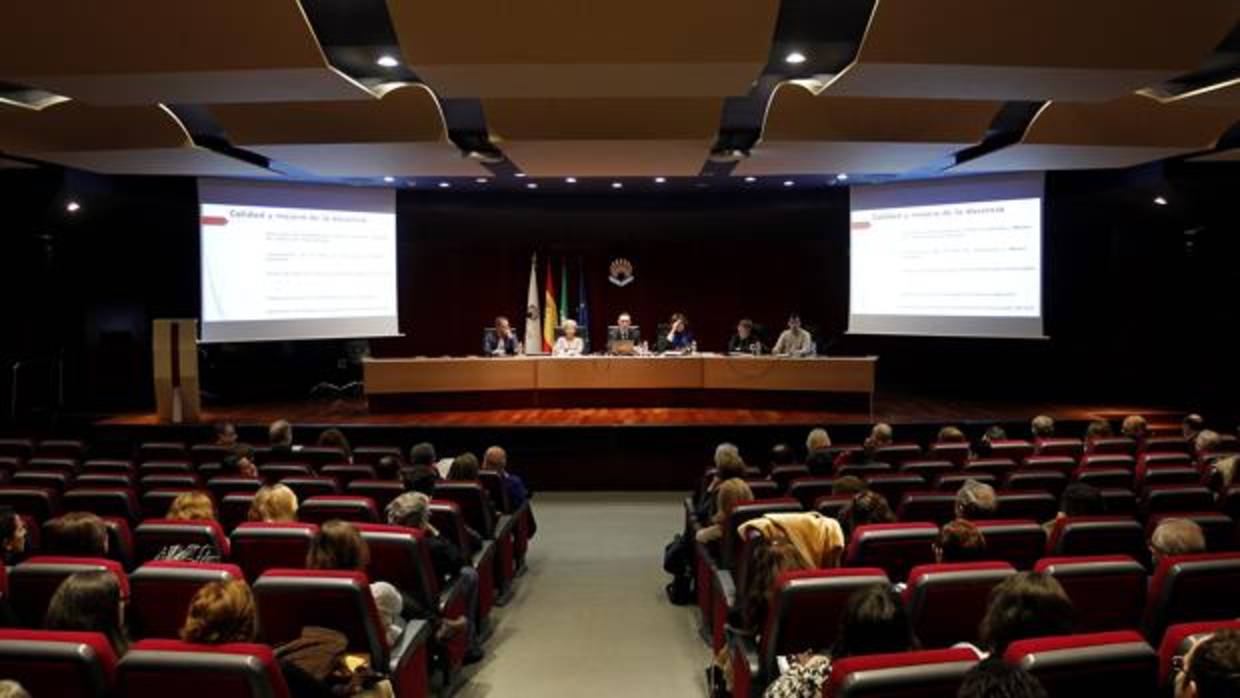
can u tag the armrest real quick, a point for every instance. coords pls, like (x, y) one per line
(484, 554)
(409, 660)
(417, 632)
(503, 526)
(746, 669)
(725, 586)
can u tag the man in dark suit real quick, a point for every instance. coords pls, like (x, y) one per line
(624, 331)
(501, 342)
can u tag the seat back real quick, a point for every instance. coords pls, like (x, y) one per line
(1063, 464)
(1167, 444)
(208, 453)
(897, 454)
(21, 449)
(276, 472)
(1015, 449)
(155, 503)
(382, 491)
(165, 467)
(1107, 591)
(58, 663)
(1168, 475)
(399, 557)
(1108, 460)
(951, 482)
(474, 503)
(1219, 528)
(1020, 504)
(344, 473)
(1118, 663)
(1059, 447)
(47, 479)
(234, 509)
(324, 508)
(928, 469)
(162, 450)
(946, 601)
(783, 475)
(153, 535)
(806, 608)
(371, 455)
(1163, 498)
(319, 456)
(68, 466)
(1106, 477)
(308, 486)
(161, 592)
(746, 511)
(1118, 501)
(1097, 535)
(939, 507)
(154, 668)
(863, 469)
(920, 674)
(291, 599)
(105, 480)
(61, 448)
(38, 503)
(1018, 542)
(807, 490)
(893, 485)
(1112, 445)
(763, 489)
(1188, 588)
(447, 518)
(895, 548)
(103, 501)
(956, 453)
(33, 582)
(832, 505)
(257, 547)
(1178, 639)
(221, 486)
(108, 465)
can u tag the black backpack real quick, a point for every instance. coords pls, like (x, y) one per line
(678, 562)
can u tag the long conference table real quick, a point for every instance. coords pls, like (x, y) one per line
(698, 380)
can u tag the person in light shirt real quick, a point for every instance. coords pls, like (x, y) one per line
(794, 341)
(569, 344)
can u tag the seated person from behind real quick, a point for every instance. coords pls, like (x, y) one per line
(501, 342)
(1211, 667)
(995, 679)
(89, 602)
(496, 460)
(190, 506)
(1024, 606)
(976, 501)
(1191, 426)
(225, 434)
(13, 536)
(274, 504)
(1176, 537)
(794, 341)
(866, 508)
(569, 344)
(679, 337)
(624, 337)
(1042, 427)
(76, 534)
(819, 457)
(745, 341)
(334, 438)
(881, 435)
(1078, 499)
(1136, 428)
(960, 541)
(280, 438)
(240, 463)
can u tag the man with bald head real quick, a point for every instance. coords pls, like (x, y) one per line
(496, 459)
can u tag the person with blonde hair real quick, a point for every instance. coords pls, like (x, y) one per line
(1136, 428)
(951, 435)
(730, 494)
(569, 344)
(190, 506)
(1042, 426)
(273, 504)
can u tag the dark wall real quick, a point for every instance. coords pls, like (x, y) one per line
(1139, 298)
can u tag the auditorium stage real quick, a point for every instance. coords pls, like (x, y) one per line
(617, 449)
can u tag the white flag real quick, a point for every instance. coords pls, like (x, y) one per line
(533, 317)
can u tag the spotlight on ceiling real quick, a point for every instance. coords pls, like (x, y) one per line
(480, 180)
(794, 58)
(788, 182)
(660, 180)
(73, 207)
(387, 61)
(532, 185)
(751, 180)
(1161, 201)
(520, 175)
(389, 179)
(570, 180)
(617, 185)
(843, 176)
(444, 185)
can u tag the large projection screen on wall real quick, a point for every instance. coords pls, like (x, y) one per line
(957, 257)
(286, 261)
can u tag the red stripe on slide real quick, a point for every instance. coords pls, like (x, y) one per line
(214, 220)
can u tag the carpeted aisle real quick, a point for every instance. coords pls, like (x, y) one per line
(590, 617)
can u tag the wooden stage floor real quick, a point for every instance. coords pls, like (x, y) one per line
(893, 409)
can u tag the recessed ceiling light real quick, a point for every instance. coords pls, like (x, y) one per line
(795, 58)
(788, 182)
(843, 176)
(1160, 201)
(520, 175)
(617, 185)
(389, 179)
(751, 180)
(660, 180)
(387, 61)
(532, 185)
(570, 180)
(481, 180)
(73, 207)
(444, 185)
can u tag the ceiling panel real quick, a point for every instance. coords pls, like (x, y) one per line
(401, 134)
(113, 140)
(605, 137)
(1031, 51)
(156, 51)
(807, 134)
(1120, 133)
(558, 48)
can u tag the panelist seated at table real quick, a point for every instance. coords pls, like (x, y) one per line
(623, 337)
(746, 339)
(675, 336)
(500, 340)
(794, 341)
(569, 343)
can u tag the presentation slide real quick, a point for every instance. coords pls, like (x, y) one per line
(285, 262)
(959, 257)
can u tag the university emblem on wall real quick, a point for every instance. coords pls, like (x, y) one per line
(621, 271)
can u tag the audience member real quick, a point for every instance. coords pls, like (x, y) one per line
(1192, 425)
(868, 507)
(240, 463)
(12, 689)
(1097, 429)
(1211, 668)
(960, 541)
(76, 534)
(874, 621)
(781, 454)
(1176, 537)
(412, 510)
(423, 454)
(388, 468)
(730, 493)
(1042, 427)
(280, 438)
(496, 460)
(993, 678)
(951, 435)
(190, 506)
(274, 504)
(849, 484)
(13, 536)
(1221, 473)
(728, 465)
(1207, 442)
(975, 501)
(817, 539)
(1023, 606)
(225, 434)
(338, 546)
(90, 602)
(991, 435)
(334, 438)
(464, 468)
(420, 478)
(818, 455)
(880, 435)
(1136, 428)
(1078, 499)
(390, 605)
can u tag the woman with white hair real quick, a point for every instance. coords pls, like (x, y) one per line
(570, 344)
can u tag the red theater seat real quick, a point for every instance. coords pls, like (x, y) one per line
(68, 466)
(1112, 444)
(954, 481)
(804, 615)
(105, 480)
(209, 453)
(832, 505)
(162, 450)
(893, 485)
(1107, 591)
(344, 473)
(33, 582)
(946, 602)
(58, 663)
(922, 674)
(258, 547)
(221, 486)
(319, 456)
(862, 469)
(108, 465)
(1168, 475)
(1219, 528)
(1178, 639)
(474, 503)
(1059, 447)
(21, 449)
(938, 507)
(1018, 542)
(38, 503)
(47, 479)
(1015, 449)
(761, 489)
(161, 592)
(807, 490)
(165, 467)
(309, 486)
(1119, 501)
(1108, 460)
(276, 472)
(73, 449)
(1167, 444)
(1038, 506)
(153, 535)
(115, 502)
(234, 509)
(1164, 498)
(897, 454)
(1116, 663)
(1097, 535)
(1052, 481)
(1188, 588)
(371, 455)
(169, 481)
(1106, 477)
(382, 491)
(928, 469)
(783, 475)
(1063, 464)
(321, 509)
(896, 548)
(159, 668)
(956, 453)
(155, 503)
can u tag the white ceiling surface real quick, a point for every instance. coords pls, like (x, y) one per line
(817, 157)
(188, 161)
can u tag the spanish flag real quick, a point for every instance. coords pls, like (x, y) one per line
(550, 314)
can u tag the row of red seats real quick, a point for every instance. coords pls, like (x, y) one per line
(21, 450)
